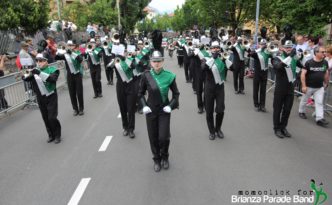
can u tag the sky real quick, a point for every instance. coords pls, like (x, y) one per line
(167, 6)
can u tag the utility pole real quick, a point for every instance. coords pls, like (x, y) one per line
(58, 4)
(119, 13)
(256, 23)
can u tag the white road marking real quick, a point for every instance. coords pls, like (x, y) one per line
(105, 144)
(79, 191)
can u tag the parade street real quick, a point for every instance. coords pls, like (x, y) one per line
(85, 170)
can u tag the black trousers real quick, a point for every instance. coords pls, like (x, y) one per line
(127, 98)
(214, 93)
(109, 74)
(199, 89)
(158, 125)
(282, 106)
(180, 61)
(75, 87)
(96, 80)
(186, 70)
(49, 110)
(192, 76)
(260, 80)
(137, 80)
(238, 76)
(3, 101)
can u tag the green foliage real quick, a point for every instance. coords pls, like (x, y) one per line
(131, 12)
(306, 16)
(29, 14)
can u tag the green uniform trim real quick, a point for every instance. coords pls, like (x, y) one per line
(49, 70)
(127, 71)
(292, 65)
(164, 79)
(221, 68)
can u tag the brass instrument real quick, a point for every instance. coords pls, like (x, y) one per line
(190, 43)
(105, 43)
(273, 49)
(246, 44)
(225, 55)
(228, 45)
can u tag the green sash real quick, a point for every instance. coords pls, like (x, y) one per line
(164, 79)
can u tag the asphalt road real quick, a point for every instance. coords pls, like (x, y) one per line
(250, 158)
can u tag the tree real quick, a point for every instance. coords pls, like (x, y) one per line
(131, 12)
(31, 15)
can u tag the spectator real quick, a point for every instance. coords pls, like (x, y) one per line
(3, 101)
(26, 59)
(314, 78)
(51, 45)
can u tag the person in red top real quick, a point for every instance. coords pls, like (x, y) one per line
(51, 45)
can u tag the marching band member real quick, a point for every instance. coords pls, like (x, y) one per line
(285, 69)
(108, 56)
(261, 59)
(201, 53)
(73, 59)
(157, 108)
(43, 79)
(126, 93)
(180, 50)
(94, 55)
(238, 66)
(214, 91)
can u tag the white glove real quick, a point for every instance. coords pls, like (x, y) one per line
(146, 110)
(167, 109)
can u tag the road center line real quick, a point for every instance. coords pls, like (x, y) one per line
(105, 144)
(79, 191)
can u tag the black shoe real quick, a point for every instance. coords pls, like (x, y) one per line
(286, 133)
(131, 134)
(322, 123)
(241, 92)
(125, 133)
(95, 96)
(81, 113)
(278, 133)
(212, 136)
(140, 111)
(236, 92)
(157, 167)
(220, 134)
(111, 83)
(200, 110)
(262, 109)
(302, 115)
(75, 113)
(165, 163)
(57, 140)
(100, 95)
(50, 139)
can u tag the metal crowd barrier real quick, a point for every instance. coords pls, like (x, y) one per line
(14, 92)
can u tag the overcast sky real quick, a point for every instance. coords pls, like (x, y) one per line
(166, 5)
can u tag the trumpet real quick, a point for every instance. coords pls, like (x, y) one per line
(271, 48)
(246, 44)
(130, 54)
(225, 55)
(228, 45)
(105, 43)
(190, 43)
